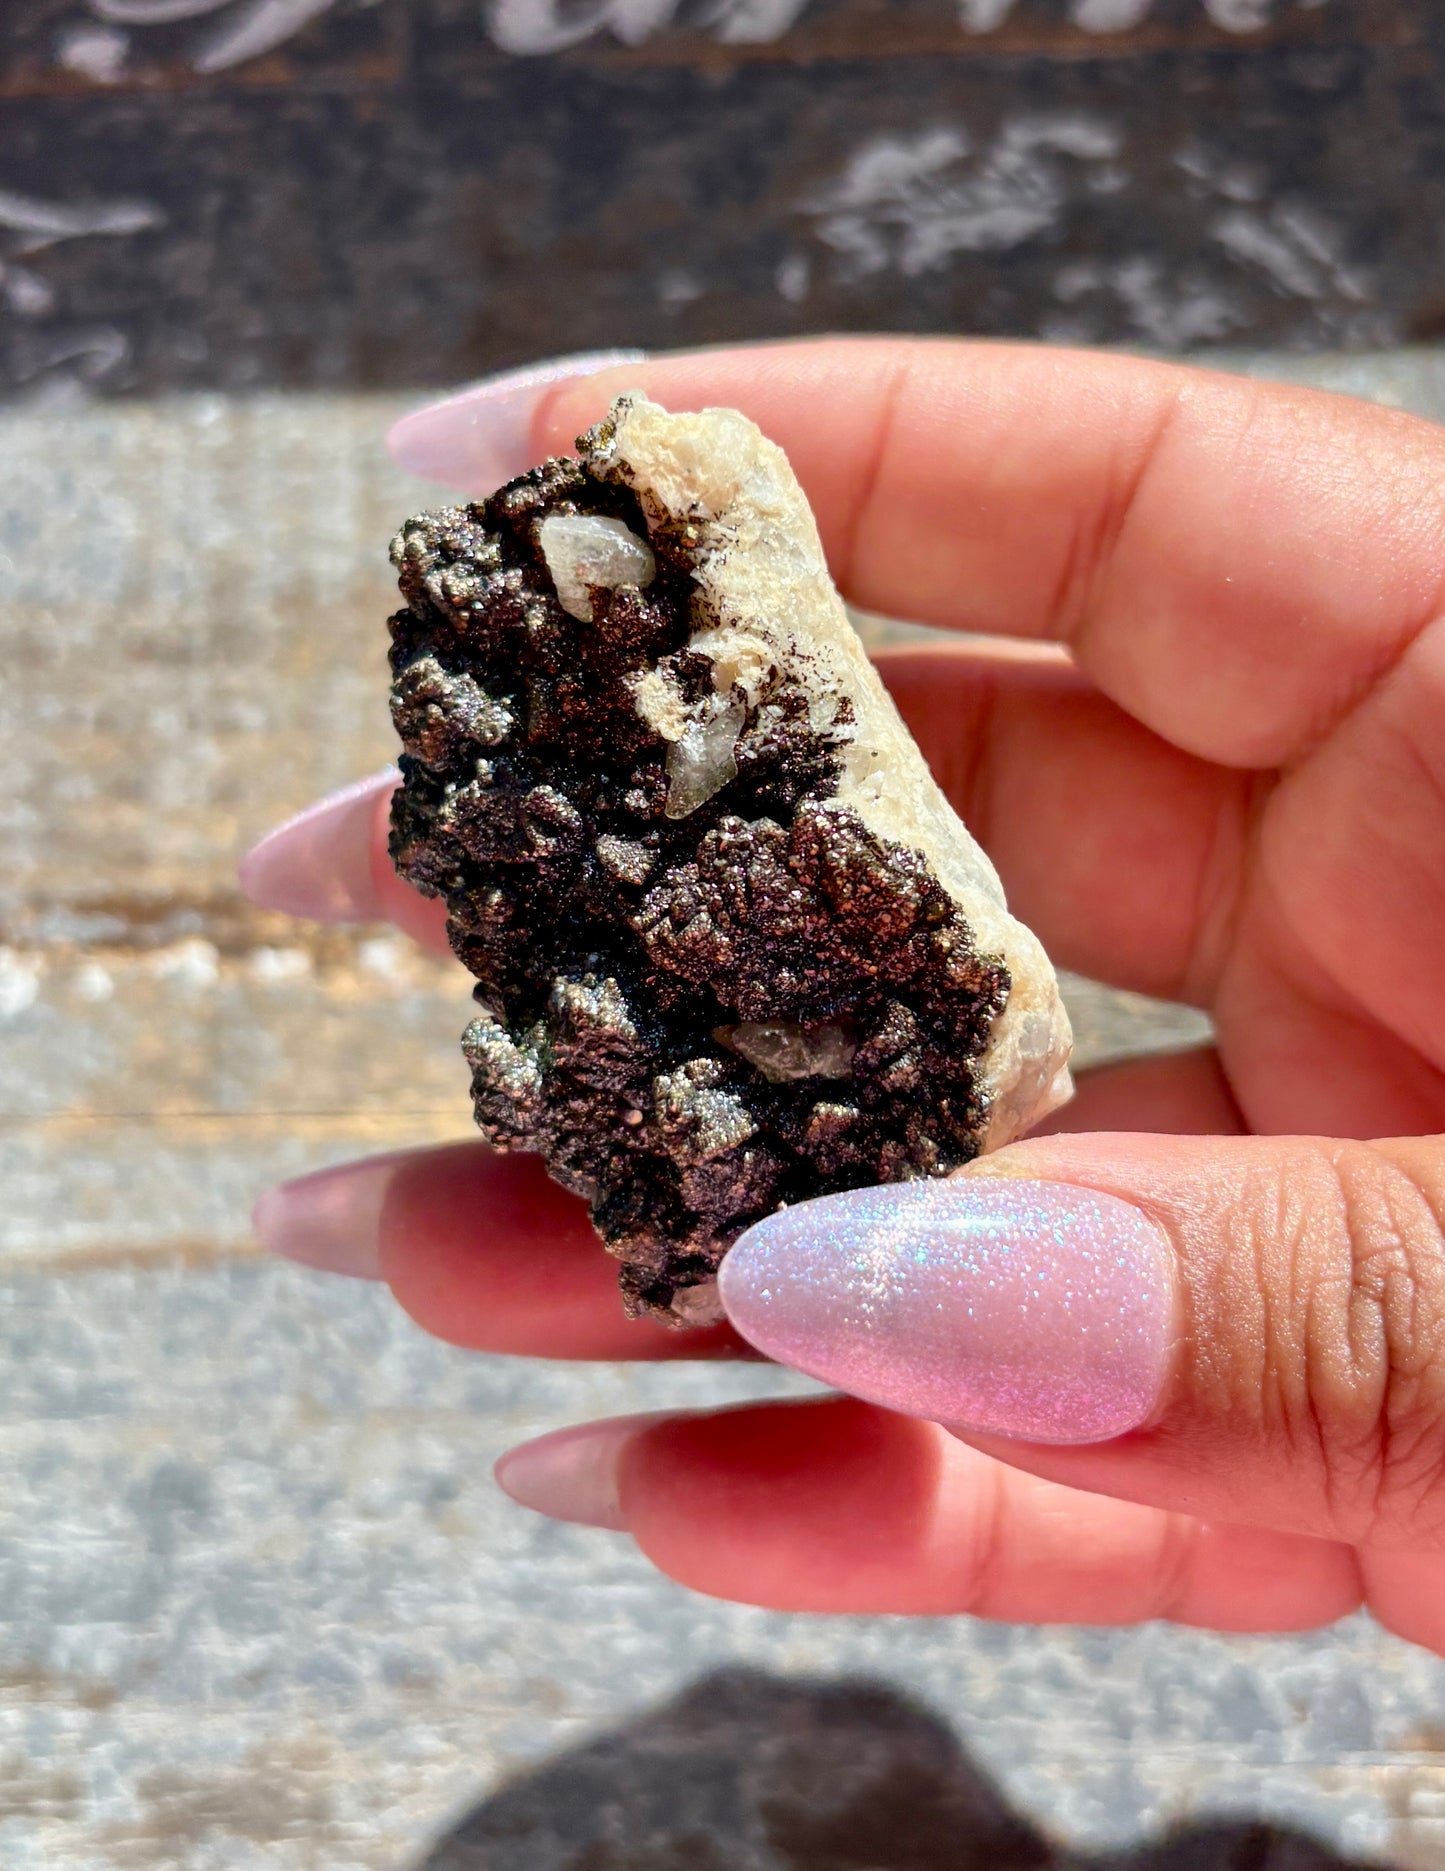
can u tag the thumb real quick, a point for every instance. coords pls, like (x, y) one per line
(1245, 1329)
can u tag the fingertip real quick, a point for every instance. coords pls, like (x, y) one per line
(572, 1474)
(803, 1505)
(484, 1249)
(318, 864)
(482, 436)
(328, 1220)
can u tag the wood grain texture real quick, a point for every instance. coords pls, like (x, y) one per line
(260, 1605)
(412, 194)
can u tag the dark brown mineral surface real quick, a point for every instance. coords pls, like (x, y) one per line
(695, 1008)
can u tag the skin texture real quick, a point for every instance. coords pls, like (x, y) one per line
(1204, 747)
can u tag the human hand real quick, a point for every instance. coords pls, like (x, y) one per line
(1205, 748)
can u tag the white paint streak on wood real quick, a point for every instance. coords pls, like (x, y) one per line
(246, 32)
(984, 15)
(95, 355)
(754, 22)
(1224, 175)
(1301, 255)
(42, 224)
(35, 224)
(532, 28)
(535, 27)
(1110, 16)
(25, 293)
(1174, 309)
(1294, 248)
(1240, 15)
(1105, 16)
(793, 277)
(1171, 308)
(529, 28)
(153, 12)
(911, 203)
(97, 52)
(257, 29)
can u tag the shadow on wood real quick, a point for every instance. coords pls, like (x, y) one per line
(750, 1772)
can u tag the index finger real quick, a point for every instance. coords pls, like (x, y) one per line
(1234, 562)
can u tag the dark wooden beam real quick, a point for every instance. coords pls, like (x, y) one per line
(388, 196)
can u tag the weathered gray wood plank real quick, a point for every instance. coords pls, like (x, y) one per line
(409, 193)
(259, 1603)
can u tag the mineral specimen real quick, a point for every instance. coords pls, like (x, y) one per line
(733, 948)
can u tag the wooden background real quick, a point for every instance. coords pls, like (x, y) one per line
(261, 1608)
(399, 192)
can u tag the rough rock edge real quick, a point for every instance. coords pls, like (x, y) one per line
(764, 590)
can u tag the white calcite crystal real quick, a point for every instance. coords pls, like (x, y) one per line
(767, 609)
(586, 550)
(787, 1049)
(702, 760)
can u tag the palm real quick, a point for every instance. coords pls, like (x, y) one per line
(1327, 1004)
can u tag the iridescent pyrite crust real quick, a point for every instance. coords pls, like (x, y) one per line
(662, 804)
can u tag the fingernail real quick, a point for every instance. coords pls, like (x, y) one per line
(482, 436)
(1017, 1308)
(571, 1474)
(330, 1220)
(319, 863)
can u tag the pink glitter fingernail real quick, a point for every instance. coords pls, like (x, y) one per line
(1036, 1310)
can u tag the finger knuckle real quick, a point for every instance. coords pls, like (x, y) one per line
(1370, 1294)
